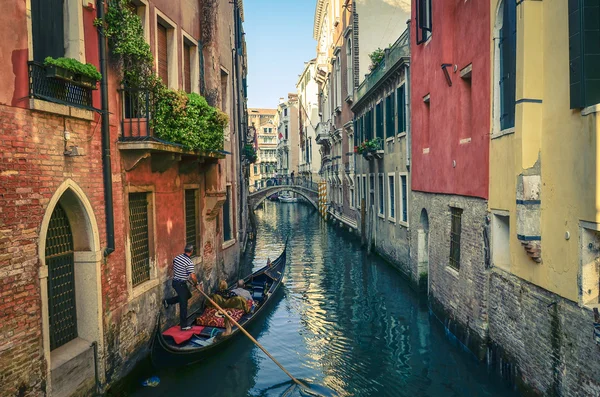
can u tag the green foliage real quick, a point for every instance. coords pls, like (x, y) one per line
(74, 66)
(376, 58)
(189, 120)
(250, 153)
(127, 44)
(368, 146)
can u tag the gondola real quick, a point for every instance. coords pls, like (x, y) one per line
(166, 352)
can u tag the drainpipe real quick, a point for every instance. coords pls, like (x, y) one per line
(407, 113)
(106, 161)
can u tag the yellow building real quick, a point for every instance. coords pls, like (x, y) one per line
(266, 136)
(544, 200)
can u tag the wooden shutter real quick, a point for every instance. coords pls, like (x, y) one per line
(508, 64)
(379, 120)
(163, 64)
(401, 101)
(584, 53)
(48, 29)
(187, 77)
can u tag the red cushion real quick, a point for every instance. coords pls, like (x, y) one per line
(212, 318)
(182, 336)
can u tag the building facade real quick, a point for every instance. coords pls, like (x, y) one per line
(288, 137)
(86, 254)
(308, 110)
(265, 167)
(381, 192)
(544, 279)
(450, 107)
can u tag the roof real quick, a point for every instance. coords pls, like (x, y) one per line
(253, 111)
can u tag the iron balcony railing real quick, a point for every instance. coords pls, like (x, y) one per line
(399, 50)
(136, 123)
(53, 89)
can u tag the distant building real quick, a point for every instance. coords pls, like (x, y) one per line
(308, 110)
(265, 166)
(288, 139)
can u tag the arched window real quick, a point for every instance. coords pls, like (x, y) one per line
(350, 75)
(338, 82)
(505, 66)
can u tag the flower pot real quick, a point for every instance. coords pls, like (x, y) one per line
(57, 72)
(85, 81)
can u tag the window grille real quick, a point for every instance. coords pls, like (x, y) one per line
(191, 217)
(138, 229)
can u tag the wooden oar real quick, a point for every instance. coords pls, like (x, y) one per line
(251, 338)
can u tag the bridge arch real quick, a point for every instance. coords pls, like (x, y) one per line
(258, 197)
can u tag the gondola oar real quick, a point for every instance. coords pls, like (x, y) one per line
(251, 338)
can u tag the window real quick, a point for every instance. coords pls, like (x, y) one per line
(381, 197)
(162, 53)
(187, 66)
(48, 29)
(423, 24)
(364, 195)
(584, 36)
(391, 197)
(508, 66)
(286, 131)
(352, 198)
(349, 73)
(227, 218)
(225, 99)
(358, 192)
(265, 130)
(455, 230)
(404, 192)
(139, 232)
(401, 101)
(285, 111)
(389, 116)
(191, 217)
(379, 120)
(369, 125)
(501, 240)
(372, 190)
(338, 82)
(589, 287)
(255, 169)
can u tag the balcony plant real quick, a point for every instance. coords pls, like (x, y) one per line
(250, 153)
(72, 70)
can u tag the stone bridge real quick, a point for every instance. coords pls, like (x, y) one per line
(255, 198)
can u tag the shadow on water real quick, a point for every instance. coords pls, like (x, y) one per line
(347, 324)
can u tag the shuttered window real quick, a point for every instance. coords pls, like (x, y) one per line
(508, 64)
(381, 196)
(227, 224)
(379, 120)
(455, 232)
(401, 101)
(404, 193)
(584, 52)
(48, 29)
(389, 116)
(187, 66)
(163, 63)
(423, 24)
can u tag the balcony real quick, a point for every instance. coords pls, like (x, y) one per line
(371, 149)
(323, 136)
(394, 57)
(138, 140)
(57, 90)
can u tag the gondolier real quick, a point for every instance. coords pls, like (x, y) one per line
(183, 269)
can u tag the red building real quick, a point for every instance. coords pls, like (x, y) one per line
(450, 97)
(93, 204)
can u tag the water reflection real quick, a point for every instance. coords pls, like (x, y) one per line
(344, 321)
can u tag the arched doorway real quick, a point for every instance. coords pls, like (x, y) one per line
(423, 251)
(61, 279)
(70, 289)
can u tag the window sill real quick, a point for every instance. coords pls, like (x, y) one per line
(143, 288)
(400, 135)
(68, 352)
(381, 216)
(390, 139)
(349, 99)
(502, 133)
(590, 110)
(402, 223)
(392, 220)
(452, 271)
(338, 109)
(62, 110)
(228, 244)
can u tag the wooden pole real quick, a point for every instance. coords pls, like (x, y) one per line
(251, 338)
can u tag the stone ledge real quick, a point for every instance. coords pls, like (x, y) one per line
(62, 110)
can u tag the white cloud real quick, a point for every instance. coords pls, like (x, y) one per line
(404, 5)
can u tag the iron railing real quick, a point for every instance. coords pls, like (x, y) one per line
(286, 181)
(191, 216)
(136, 123)
(57, 90)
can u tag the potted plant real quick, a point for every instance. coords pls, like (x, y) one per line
(85, 75)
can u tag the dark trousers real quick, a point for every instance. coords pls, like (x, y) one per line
(183, 295)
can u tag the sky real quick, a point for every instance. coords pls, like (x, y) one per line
(279, 38)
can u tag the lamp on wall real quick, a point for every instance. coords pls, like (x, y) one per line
(444, 68)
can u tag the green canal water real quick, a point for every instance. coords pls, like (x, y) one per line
(344, 322)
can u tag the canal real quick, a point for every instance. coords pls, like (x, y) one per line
(344, 320)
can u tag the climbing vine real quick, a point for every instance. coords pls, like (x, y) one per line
(178, 117)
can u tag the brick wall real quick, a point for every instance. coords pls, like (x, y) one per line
(547, 340)
(458, 298)
(32, 167)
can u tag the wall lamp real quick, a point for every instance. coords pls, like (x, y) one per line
(444, 68)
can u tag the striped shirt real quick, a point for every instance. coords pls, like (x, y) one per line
(182, 267)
